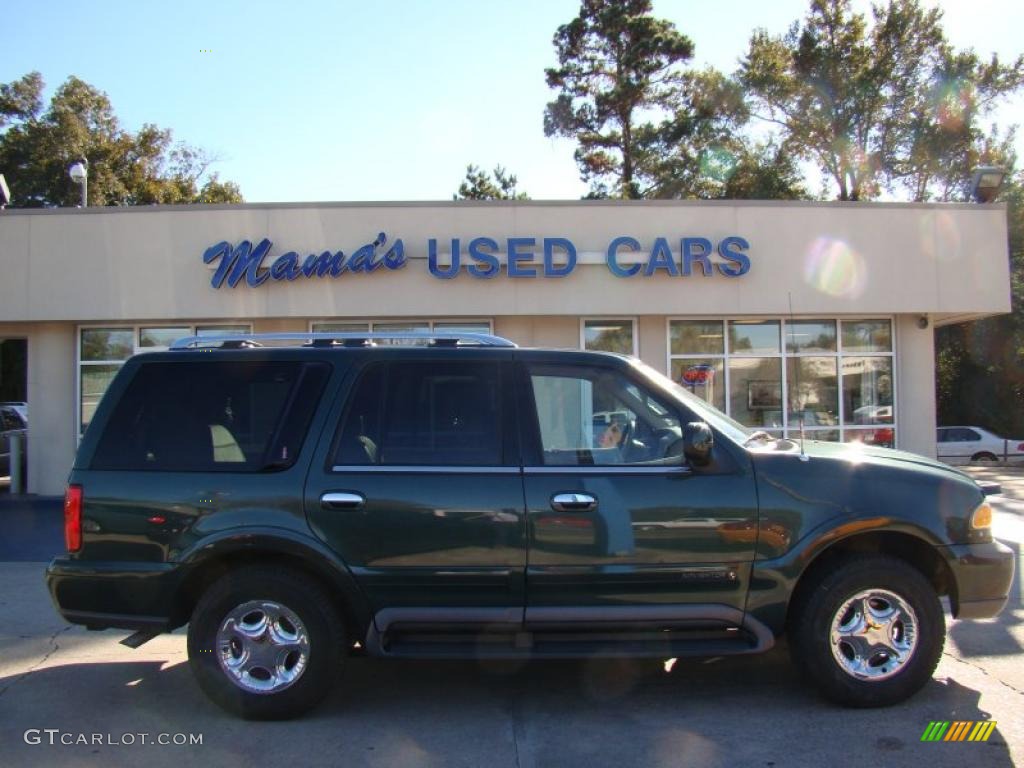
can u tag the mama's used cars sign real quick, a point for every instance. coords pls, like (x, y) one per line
(481, 257)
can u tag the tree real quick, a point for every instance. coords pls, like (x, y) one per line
(617, 66)
(980, 365)
(479, 185)
(125, 168)
(891, 106)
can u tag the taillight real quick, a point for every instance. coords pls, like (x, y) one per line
(1020, 447)
(73, 518)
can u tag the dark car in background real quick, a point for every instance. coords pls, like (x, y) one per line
(294, 498)
(13, 422)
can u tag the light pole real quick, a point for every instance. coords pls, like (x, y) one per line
(79, 173)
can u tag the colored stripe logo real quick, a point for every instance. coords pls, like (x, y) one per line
(958, 730)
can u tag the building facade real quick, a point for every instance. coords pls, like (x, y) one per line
(819, 315)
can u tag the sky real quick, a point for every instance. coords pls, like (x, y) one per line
(382, 100)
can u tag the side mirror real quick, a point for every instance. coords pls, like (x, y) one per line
(697, 443)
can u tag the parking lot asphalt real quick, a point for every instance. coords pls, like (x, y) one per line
(740, 711)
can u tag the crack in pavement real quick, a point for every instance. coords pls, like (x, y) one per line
(984, 671)
(55, 646)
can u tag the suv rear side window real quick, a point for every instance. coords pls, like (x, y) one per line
(420, 413)
(212, 417)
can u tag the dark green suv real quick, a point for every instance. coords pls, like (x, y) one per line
(297, 498)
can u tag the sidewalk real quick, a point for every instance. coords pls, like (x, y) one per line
(31, 527)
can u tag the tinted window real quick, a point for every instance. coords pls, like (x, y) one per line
(211, 417)
(588, 416)
(424, 413)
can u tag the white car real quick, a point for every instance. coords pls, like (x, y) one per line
(957, 445)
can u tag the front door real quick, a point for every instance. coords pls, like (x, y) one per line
(615, 515)
(420, 490)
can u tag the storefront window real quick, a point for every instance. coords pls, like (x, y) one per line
(755, 391)
(217, 330)
(704, 377)
(867, 390)
(691, 337)
(816, 382)
(867, 336)
(753, 337)
(813, 391)
(340, 327)
(810, 336)
(609, 336)
(101, 344)
(162, 337)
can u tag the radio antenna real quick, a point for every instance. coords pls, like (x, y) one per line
(796, 360)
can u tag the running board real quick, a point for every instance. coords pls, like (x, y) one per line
(567, 632)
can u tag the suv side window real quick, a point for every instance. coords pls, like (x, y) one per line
(417, 413)
(594, 416)
(209, 417)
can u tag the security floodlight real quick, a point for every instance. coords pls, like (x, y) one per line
(5, 193)
(987, 181)
(79, 173)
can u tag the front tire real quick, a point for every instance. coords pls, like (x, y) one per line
(265, 643)
(870, 633)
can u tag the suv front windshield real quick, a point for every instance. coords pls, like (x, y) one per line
(707, 412)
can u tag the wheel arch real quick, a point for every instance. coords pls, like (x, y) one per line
(218, 558)
(911, 549)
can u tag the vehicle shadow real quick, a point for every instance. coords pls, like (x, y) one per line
(727, 712)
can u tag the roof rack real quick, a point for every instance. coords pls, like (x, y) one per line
(348, 339)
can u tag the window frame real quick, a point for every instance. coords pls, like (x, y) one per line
(531, 441)
(370, 323)
(793, 430)
(614, 319)
(508, 438)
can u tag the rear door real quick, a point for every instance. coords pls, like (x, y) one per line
(419, 490)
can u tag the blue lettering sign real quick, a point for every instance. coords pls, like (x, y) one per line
(550, 268)
(515, 255)
(611, 257)
(485, 257)
(696, 249)
(739, 263)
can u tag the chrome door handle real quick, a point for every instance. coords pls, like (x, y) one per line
(573, 502)
(342, 500)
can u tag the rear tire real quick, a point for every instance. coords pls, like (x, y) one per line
(870, 633)
(265, 643)
(985, 457)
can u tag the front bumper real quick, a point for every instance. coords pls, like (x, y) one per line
(114, 595)
(983, 575)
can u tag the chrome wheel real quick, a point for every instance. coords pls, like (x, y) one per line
(262, 646)
(873, 634)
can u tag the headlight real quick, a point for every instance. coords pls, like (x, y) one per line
(981, 517)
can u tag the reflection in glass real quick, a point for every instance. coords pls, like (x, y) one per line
(867, 390)
(884, 437)
(341, 327)
(697, 337)
(107, 343)
(456, 327)
(755, 391)
(216, 330)
(825, 435)
(162, 337)
(811, 336)
(95, 380)
(703, 377)
(813, 391)
(867, 336)
(754, 337)
(609, 336)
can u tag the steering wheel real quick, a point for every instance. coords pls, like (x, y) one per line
(627, 433)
